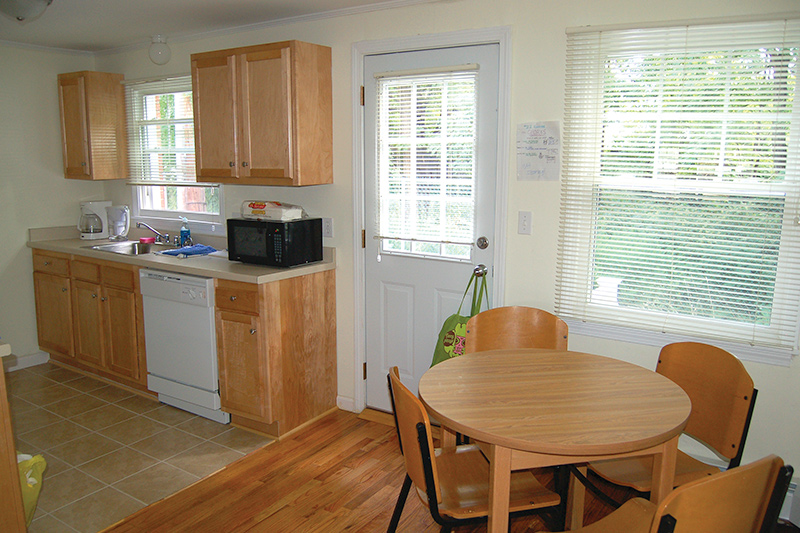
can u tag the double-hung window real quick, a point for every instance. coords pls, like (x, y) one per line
(161, 154)
(679, 215)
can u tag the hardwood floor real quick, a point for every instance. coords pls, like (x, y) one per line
(343, 473)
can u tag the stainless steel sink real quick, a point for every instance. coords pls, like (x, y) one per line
(132, 247)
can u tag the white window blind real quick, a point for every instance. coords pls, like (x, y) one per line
(426, 162)
(161, 150)
(679, 209)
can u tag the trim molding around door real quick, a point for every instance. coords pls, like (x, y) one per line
(500, 36)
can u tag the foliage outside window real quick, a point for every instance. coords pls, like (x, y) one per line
(426, 163)
(680, 190)
(161, 137)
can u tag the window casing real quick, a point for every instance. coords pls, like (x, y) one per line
(161, 154)
(680, 186)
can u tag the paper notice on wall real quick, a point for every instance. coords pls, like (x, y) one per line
(538, 151)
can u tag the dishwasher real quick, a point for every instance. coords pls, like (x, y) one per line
(181, 342)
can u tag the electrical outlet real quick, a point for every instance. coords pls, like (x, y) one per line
(327, 227)
(524, 223)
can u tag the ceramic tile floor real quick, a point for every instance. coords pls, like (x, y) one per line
(110, 452)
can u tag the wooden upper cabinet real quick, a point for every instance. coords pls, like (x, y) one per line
(93, 125)
(263, 114)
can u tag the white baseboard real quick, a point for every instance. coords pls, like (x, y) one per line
(18, 362)
(346, 404)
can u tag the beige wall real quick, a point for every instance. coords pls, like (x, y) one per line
(39, 197)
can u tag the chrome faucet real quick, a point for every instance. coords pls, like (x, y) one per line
(159, 236)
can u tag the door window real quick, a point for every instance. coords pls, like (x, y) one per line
(426, 142)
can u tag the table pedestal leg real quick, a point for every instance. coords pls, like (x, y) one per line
(664, 470)
(499, 489)
(575, 501)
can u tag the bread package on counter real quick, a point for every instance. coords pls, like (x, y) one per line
(260, 210)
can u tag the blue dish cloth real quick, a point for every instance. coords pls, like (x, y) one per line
(186, 251)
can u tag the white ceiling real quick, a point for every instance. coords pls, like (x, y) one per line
(103, 25)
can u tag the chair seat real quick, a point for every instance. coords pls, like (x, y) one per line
(635, 515)
(466, 468)
(637, 472)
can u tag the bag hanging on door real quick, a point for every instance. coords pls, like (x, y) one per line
(453, 335)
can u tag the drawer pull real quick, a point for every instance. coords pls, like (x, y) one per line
(252, 331)
(233, 298)
(46, 263)
(103, 299)
(231, 164)
(94, 296)
(63, 289)
(244, 163)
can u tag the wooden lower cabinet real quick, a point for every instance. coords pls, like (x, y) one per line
(89, 315)
(276, 345)
(89, 326)
(53, 312)
(242, 366)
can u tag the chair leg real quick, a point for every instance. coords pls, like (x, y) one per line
(398, 507)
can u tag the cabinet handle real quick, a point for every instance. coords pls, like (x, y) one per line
(244, 163)
(103, 299)
(233, 298)
(94, 296)
(63, 289)
(83, 163)
(252, 331)
(231, 164)
(46, 263)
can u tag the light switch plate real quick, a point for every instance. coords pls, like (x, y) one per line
(524, 223)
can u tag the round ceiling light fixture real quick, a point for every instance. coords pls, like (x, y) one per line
(23, 10)
(159, 50)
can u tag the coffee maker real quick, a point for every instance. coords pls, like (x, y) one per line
(94, 220)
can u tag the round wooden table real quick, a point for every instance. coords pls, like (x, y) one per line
(535, 408)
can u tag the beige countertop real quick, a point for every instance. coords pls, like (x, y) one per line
(208, 266)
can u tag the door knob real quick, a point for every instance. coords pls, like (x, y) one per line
(482, 243)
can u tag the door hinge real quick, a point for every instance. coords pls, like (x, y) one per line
(365, 371)
(362, 95)
(363, 238)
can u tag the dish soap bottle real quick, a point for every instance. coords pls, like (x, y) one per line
(186, 235)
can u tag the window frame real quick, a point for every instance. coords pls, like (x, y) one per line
(592, 319)
(202, 223)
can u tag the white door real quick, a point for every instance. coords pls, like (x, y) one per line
(430, 178)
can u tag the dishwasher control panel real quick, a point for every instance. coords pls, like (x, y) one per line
(173, 286)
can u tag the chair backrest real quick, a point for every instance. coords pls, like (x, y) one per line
(732, 501)
(515, 327)
(409, 412)
(721, 392)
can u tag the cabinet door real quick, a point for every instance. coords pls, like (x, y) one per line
(87, 302)
(121, 334)
(242, 365)
(72, 99)
(53, 313)
(266, 113)
(215, 134)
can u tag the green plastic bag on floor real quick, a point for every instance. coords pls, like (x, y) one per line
(31, 470)
(453, 335)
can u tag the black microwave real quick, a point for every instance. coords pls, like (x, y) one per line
(275, 242)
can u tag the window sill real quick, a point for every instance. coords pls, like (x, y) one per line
(745, 352)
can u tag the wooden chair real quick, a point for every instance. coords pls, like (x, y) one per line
(515, 327)
(723, 398)
(747, 499)
(452, 482)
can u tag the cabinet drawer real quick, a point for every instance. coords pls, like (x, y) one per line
(86, 271)
(52, 263)
(121, 277)
(236, 296)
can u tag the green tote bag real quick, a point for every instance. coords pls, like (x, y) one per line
(453, 335)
